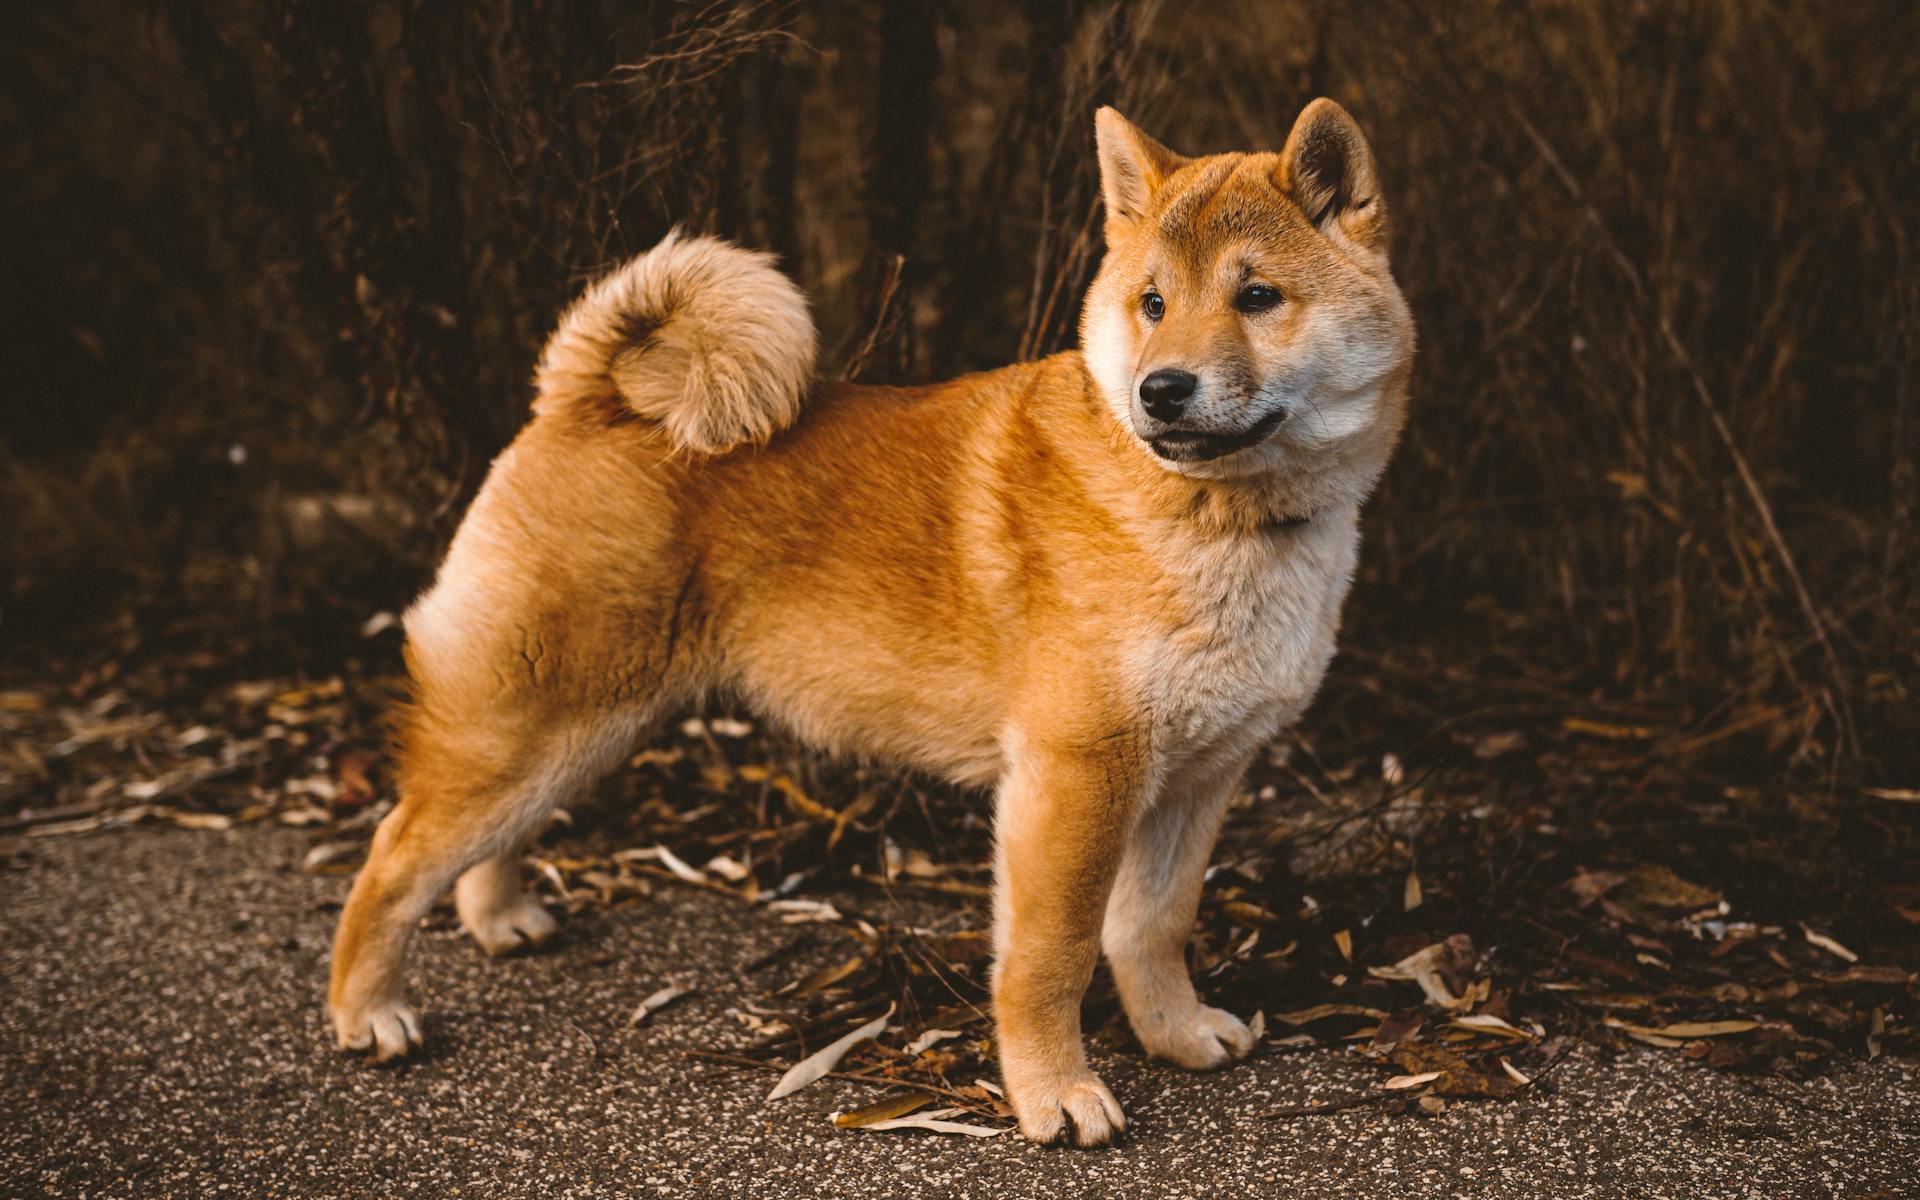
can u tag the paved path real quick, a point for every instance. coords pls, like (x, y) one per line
(161, 1035)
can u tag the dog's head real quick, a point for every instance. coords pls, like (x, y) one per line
(1245, 318)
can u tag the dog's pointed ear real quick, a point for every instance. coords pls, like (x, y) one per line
(1132, 166)
(1328, 169)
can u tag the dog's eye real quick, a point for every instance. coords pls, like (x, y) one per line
(1257, 298)
(1153, 306)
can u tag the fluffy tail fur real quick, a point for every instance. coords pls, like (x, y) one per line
(710, 340)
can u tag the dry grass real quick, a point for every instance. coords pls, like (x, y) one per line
(1663, 467)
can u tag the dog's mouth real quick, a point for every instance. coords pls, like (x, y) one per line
(1190, 446)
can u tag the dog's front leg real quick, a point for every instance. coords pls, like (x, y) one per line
(1062, 821)
(1150, 917)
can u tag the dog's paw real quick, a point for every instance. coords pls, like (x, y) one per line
(1200, 1039)
(390, 1029)
(523, 924)
(1075, 1108)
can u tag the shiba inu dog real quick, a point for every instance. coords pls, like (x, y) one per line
(1095, 583)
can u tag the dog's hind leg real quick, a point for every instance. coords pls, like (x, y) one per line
(466, 800)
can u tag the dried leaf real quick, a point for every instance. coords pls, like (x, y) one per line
(354, 772)
(1392, 771)
(1320, 1012)
(678, 866)
(1883, 976)
(1248, 914)
(1453, 1075)
(1411, 896)
(1651, 890)
(63, 828)
(1488, 1023)
(1344, 940)
(799, 911)
(929, 1039)
(1430, 968)
(1399, 1082)
(815, 1066)
(1654, 1039)
(1588, 886)
(378, 624)
(1828, 944)
(655, 1002)
(1685, 1029)
(915, 864)
(1395, 1030)
(1494, 745)
(198, 820)
(1706, 1029)
(799, 801)
(664, 756)
(327, 854)
(823, 978)
(933, 1123)
(320, 787)
(1605, 729)
(887, 1108)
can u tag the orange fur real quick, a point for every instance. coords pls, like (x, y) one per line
(997, 579)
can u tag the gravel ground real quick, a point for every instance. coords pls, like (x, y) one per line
(161, 1035)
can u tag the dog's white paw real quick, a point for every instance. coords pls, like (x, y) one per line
(1199, 1039)
(521, 924)
(1074, 1108)
(389, 1028)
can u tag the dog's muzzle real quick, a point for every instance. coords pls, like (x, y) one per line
(1196, 445)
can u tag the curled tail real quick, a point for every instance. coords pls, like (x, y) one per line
(707, 339)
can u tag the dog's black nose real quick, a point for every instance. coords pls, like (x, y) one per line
(1165, 392)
